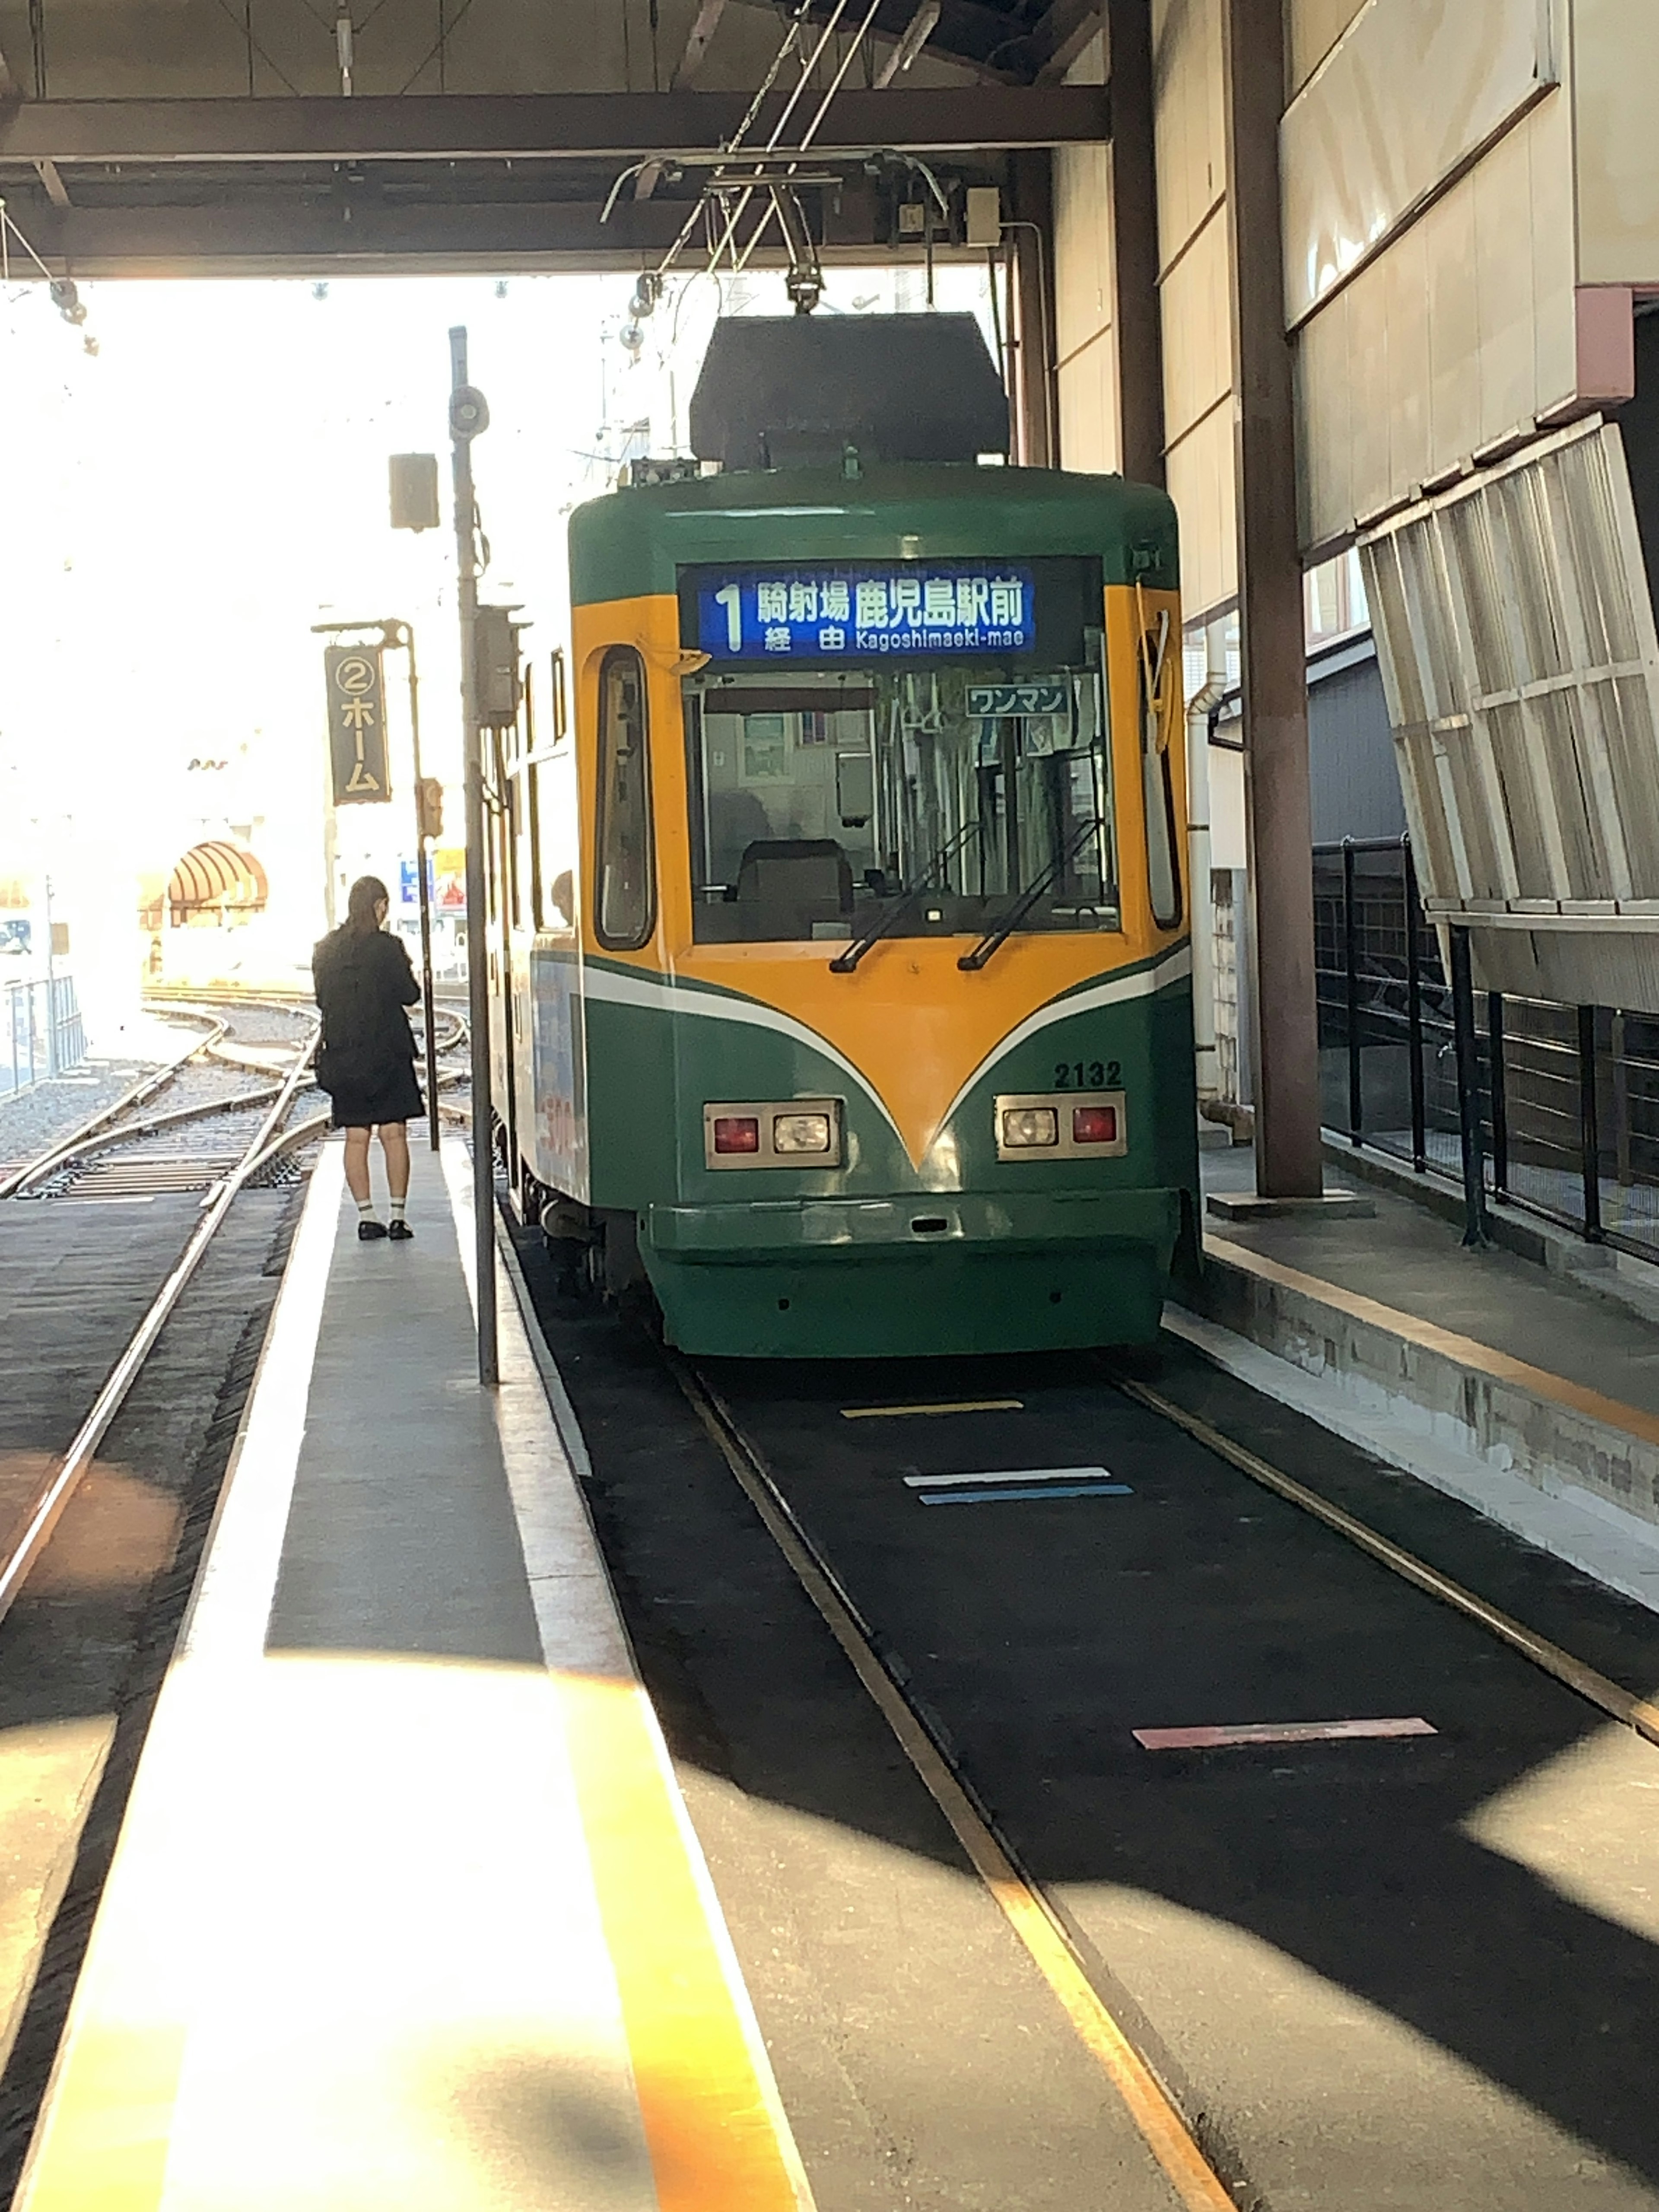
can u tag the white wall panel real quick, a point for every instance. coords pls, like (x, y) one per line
(1190, 118)
(1199, 472)
(1083, 244)
(1198, 345)
(1616, 86)
(1411, 93)
(1088, 409)
(1312, 28)
(1461, 333)
(1086, 293)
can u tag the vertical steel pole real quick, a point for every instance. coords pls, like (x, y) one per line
(1351, 992)
(1136, 317)
(1468, 1089)
(51, 989)
(1273, 624)
(467, 418)
(425, 891)
(1500, 1095)
(1415, 1013)
(1589, 1132)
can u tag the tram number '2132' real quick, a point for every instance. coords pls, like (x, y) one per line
(1088, 1074)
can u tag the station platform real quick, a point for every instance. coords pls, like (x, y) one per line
(1530, 1390)
(406, 1909)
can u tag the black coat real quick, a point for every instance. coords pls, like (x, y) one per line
(366, 1054)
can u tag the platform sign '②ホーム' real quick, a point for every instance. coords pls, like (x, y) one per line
(356, 724)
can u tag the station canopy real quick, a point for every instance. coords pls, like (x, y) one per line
(527, 133)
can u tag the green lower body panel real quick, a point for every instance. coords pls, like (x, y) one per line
(844, 1279)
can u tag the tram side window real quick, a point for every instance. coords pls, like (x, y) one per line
(512, 837)
(532, 792)
(624, 907)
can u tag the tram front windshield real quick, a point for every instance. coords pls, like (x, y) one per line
(932, 801)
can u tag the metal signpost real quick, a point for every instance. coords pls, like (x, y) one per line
(358, 750)
(468, 419)
(400, 634)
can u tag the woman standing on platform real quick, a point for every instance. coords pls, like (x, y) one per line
(366, 1058)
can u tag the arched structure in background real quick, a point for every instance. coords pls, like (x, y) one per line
(216, 881)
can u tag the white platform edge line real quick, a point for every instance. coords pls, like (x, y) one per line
(521, 1342)
(1010, 1475)
(1402, 1434)
(244, 1542)
(273, 1422)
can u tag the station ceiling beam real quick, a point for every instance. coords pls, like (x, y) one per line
(1019, 43)
(974, 31)
(704, 25)
(343, 237)
(538, 126)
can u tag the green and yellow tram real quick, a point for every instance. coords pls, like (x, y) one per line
(846, 942)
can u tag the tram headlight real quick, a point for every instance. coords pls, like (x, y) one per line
(1055, 1125)
(800, 1133)
(772, 1132)
(1025, 1128)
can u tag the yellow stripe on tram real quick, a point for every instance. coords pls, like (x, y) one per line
(712, 2122)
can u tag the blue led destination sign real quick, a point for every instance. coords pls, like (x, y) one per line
(798, 614)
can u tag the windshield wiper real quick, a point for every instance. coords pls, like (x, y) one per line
(992, 943)
(909, 894)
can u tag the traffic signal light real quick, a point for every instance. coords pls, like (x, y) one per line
(495, 667)
(429, 807)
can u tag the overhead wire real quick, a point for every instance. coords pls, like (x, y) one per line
(739, 264)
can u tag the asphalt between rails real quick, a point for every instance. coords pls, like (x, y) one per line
(922, 2059)
(1374, 1973)
(1356, 1996)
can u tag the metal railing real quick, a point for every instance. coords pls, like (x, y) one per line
(41, 1031)
(1552, 1108)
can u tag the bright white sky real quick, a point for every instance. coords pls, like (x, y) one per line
(182, 509)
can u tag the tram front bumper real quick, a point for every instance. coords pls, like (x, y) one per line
(929, 1273)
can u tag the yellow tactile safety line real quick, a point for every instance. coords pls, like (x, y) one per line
(708, 2122)
(1162, 2127)
(1467, 1351)
(715, 2129)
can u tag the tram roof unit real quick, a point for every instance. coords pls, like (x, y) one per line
(631, 544)
(855, 438)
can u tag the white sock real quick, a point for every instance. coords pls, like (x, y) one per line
(365, 1209)
(398, 1205)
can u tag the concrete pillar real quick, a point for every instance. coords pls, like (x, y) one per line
(1029, 226)
(1137, 321)
(1274, 673)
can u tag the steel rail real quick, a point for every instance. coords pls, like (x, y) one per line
(78, 1457)
(1599, 1689)
(1040, 1928)
(104, 1140)
(146, 1087)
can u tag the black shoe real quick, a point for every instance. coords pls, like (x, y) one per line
(400, 1232)
(369, 1231)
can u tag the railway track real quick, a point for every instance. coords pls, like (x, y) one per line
(227, 1132)
(251, 1120)
(837, 1486)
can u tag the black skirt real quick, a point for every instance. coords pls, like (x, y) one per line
(391, 1094)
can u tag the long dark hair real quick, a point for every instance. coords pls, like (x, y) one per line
(364, 896)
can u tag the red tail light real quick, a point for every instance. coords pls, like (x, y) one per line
(1094, 1125)
(736, 1133)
